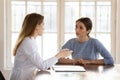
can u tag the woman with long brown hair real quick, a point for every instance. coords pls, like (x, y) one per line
(27, 58)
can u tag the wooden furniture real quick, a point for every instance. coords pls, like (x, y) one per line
(93, 72)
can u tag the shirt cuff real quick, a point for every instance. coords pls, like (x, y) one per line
(109, 61)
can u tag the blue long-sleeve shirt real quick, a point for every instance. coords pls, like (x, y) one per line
(88, 50)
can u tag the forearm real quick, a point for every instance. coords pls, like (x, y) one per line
(97, 62)
(80, 61)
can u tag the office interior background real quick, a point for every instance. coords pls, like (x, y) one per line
(60, 17)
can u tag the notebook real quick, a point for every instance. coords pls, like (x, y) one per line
(68, 68)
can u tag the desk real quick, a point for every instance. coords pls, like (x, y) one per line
(93, 72)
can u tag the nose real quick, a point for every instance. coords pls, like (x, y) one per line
(77, 29)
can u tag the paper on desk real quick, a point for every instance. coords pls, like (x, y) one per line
(68, 68)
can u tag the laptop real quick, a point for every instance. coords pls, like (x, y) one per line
(68, 68)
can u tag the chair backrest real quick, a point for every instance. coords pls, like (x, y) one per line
(1, 76)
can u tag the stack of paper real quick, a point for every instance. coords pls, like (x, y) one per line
(68, 68)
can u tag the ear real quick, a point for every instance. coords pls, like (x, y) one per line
(88, 31)
(37, 26)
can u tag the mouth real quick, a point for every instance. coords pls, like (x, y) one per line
(77, 33)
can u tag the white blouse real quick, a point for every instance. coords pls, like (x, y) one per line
(27, 60)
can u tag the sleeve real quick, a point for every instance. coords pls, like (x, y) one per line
(67, 45)
(32, 53)
(104, 53)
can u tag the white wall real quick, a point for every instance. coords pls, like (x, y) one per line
(5, 72)
(118, 33)
(2, 31)
(1, 34)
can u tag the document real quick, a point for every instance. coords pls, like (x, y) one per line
(68, 68)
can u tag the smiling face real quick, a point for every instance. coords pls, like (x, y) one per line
(81, 30)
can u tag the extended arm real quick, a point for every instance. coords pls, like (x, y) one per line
(96, 62)
(80, 61)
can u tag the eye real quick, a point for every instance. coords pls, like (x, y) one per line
(81, 27)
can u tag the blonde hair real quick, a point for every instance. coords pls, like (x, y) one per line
(28, 27)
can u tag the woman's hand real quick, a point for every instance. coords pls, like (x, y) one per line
(63, 53)
(67, 61)
(83, 62)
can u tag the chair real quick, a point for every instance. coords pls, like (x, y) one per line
(1, 76)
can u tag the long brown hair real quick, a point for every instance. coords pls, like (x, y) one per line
(28, 27)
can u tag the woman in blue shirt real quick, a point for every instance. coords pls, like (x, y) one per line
(85, 49)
